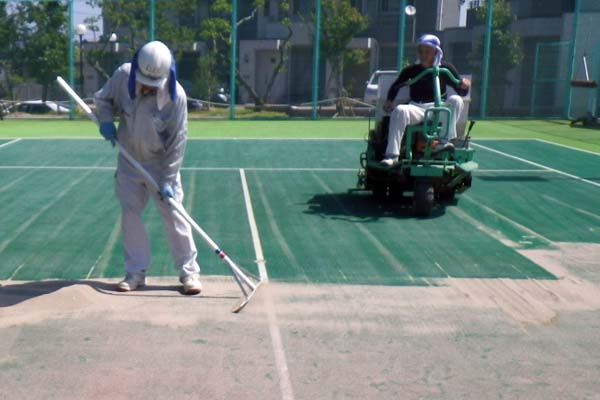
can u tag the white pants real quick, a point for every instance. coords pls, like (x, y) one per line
(133, 195)
(413, 114)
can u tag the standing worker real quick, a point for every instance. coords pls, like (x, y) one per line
(152, 110)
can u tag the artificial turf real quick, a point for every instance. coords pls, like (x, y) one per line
(552, 130)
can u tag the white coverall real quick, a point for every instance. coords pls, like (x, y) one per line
(153, 130)
(413, 114)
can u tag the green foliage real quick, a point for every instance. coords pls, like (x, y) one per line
(352, 58)
(506, 51)
(35, 40)
(204, 79)
(216, 31)
(130, 19)
(340, 23)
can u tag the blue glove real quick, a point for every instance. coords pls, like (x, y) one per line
(109, 131)
(166, 191)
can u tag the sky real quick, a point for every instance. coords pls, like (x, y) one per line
(81, 11)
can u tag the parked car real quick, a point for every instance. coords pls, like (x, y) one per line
(194, 105)
(41, 107)
(373, 84)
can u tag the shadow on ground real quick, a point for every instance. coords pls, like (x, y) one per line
(14, 293)
(356, 206)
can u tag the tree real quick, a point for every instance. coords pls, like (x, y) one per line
(506, 52)
(340, 23)
(216, 31)
(42, 36)
(7, 50)
(130, 19)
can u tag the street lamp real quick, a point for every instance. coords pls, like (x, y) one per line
(411, 11)
(81, 29)
(113, 39)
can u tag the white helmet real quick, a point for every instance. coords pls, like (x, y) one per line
(154, 63)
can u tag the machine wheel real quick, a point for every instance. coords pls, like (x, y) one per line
(423, 201)
(447, 195)
(379, 191)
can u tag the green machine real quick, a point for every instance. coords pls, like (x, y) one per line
(425, 172)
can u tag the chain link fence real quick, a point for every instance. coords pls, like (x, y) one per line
(305, 58)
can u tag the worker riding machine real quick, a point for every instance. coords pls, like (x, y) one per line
(427, 170)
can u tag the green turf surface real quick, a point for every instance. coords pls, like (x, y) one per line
(555, 131)
(64, 223)
(314, 230)
(582, 164)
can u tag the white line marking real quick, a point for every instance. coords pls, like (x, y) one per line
(8, 186)
(386, 254)
(102, 259)
(260, 258)
(568, 147)
(285, 383)
(10, 278)
(93, 168)
(575, 177)
(274, 169)
(579, 210)
(437, 264)
(511, 171)
(57, 168)
(530, 233)
(4, 244)
(9, 143)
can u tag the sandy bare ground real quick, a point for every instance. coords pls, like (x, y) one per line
(461, 339)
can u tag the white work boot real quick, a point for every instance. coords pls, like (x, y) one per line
(132, 281)
(191, 284)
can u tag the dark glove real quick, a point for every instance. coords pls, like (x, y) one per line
(109, 131)
(166, 191)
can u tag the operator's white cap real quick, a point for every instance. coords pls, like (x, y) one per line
(153, 64)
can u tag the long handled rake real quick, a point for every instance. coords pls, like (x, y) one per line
(247, 282)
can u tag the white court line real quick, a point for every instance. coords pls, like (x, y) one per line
(94, 168)
(575, 177)
(11, 142)
(579, 210)
(285, 383)
(260, 258)
(510, 171)
(387, 254)
(25, 225)
(568, 147)
(102, 259)
(16, 271)
(55, 168)
(515, 224)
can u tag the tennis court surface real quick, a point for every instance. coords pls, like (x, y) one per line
(495, 296)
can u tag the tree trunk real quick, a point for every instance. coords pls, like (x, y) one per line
(258, 101)
(280, 64)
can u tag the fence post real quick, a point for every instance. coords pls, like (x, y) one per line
(71, 59)
(401, 34)
(233, 58)
(485, 75)
(151, 25)
(571, 65)
(316, 61)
